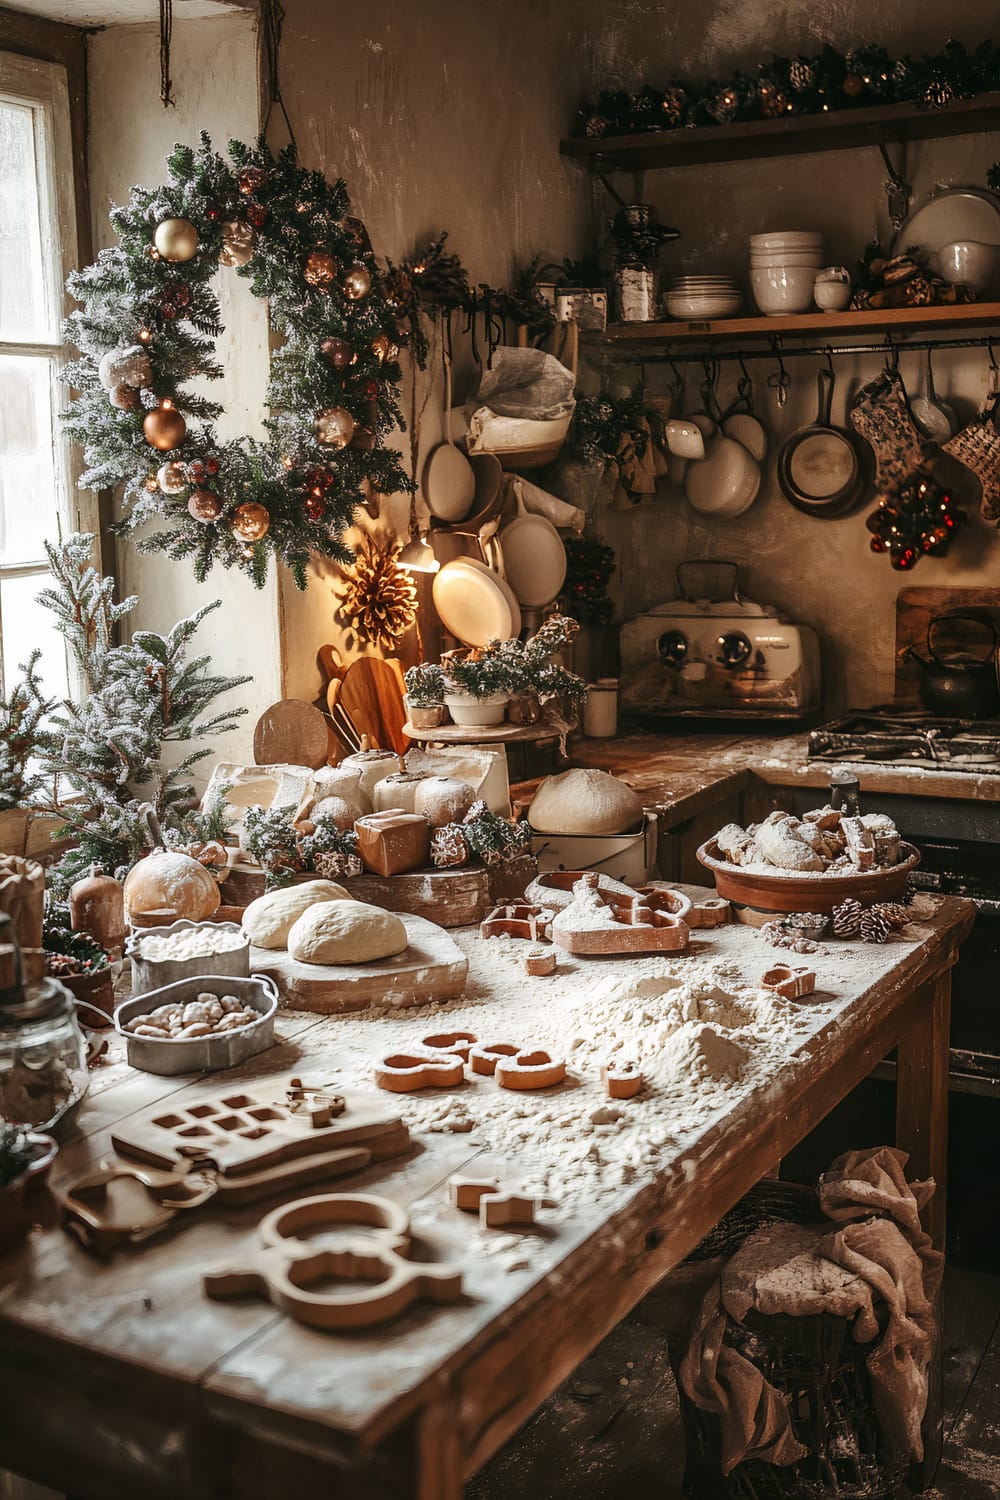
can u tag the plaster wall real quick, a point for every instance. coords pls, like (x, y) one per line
(214, 70)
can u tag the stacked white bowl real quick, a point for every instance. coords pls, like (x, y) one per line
(703, 297)
(783, 267)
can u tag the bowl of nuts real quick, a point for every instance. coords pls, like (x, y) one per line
(198, 1025)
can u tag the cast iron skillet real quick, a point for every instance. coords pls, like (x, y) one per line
(822, 469)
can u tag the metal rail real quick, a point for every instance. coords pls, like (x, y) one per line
(776, 348)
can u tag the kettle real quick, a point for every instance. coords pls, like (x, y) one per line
(957, 683)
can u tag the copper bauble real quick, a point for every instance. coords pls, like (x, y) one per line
(338, 353)
(320, 269)
(237, 243)
(334, 426)
(382, 347)
(251, 521)
(251, 179)
(176, 240)
(125, 397)
(205, 506)
(171, 478)
(853, 85)
(357, 282)
(164, 428)
(314, 507)
(125, 367)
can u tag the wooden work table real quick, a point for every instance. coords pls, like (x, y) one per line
(120, 1379)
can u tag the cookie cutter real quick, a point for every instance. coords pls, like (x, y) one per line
(405, 1072)
(526, 1070)
(496, 1206)
(622, 1080)
(456, 1042)
(365, 1240)
(518, 920)
(789, 981)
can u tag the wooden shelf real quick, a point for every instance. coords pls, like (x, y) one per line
(789, 136)
(898, 321)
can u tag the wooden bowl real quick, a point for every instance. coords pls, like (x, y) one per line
(757, 898)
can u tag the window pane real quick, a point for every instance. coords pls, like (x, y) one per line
(25, 624)
(25, 316)
(29, 475)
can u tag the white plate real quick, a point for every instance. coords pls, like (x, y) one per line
(534, 560)
(956, 214)
(474, 604)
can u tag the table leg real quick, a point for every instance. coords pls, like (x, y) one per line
(922, 1098)
(439, 1454)
(922, 1131)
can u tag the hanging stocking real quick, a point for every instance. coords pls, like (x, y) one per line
(881, 415)
(977, 448)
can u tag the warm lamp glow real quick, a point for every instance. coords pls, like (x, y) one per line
(418, 556)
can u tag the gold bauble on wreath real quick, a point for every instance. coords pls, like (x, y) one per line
(320, 269)
(164, 428)
(357, 282)
(171, 478)
(176, 240)
(334, 427)
(238, 239)
(338, 353)
(251, 521)
(206, 506)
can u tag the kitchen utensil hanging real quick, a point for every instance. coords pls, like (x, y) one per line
(821, 469)
(935, 419)
(740, 422)
(449, 482)
(534, 557)
(475, 605)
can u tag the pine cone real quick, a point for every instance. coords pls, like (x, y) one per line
(801, 75)
(895, 913)
(847, 919)
(874, 926)
(333, 865)
(477, 810)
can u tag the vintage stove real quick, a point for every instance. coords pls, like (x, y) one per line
(911, 737)
(711, 654)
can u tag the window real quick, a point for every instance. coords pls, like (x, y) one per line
(38, 491)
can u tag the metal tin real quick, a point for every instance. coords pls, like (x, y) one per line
(153, 973)
(201, 1054)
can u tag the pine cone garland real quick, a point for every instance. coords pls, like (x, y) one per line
(336, 866)
(379, 598)
(847, 919)
(801, 75)
(874, 926)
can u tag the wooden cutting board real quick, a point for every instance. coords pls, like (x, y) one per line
(432, 967)
(372, 694)
(291, 733)
(247, 1127)
(915, 608)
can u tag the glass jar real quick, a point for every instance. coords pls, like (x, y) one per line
(43, 1057)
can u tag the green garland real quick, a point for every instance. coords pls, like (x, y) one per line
(149, 325)
(805, 85)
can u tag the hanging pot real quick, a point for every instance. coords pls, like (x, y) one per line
(956, 682)
(821, 469)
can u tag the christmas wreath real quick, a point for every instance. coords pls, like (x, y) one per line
(148, 326)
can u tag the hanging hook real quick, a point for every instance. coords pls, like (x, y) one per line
(779, 380)
(891, 355)
(828, 353)
(744, 384)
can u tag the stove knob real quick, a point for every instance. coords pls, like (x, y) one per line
(734, 648)
(673, 647)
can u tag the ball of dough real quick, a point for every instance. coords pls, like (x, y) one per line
(167, 881)
(268, 920)
(443, 799)
(585, 801)
(346, 932)
(336, 809)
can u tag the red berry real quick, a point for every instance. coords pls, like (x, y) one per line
(314, 509)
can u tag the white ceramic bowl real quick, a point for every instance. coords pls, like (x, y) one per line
(832, 296)
(787, 239)
(810, 258)
(968, 262)
(690, 307)
(779, 291)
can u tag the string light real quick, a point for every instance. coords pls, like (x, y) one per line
(145, 336)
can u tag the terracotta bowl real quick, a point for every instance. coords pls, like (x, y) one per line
(757, 898)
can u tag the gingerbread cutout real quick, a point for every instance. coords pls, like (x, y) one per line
(530, 1070)
(600, 921)
(622, 1079)
(451, 1042)
(791, 982)
(320, 1106)
(517, 920)
(405, 1072)
(540, 961)
(714, 911)
(497, 1207)
(371, 1248)
(483, 1057)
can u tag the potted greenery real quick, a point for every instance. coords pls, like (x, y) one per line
(22, 741)
(478, 686)
(425, 688)
(25, 1157)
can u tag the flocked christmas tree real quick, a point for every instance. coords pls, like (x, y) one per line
(149, 324)
(102, 757)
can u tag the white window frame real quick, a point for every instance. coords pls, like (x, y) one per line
(43, 87)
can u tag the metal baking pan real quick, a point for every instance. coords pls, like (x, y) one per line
(200, 1054)
(153, 973)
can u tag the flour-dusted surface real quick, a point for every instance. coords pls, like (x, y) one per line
(698, 1024)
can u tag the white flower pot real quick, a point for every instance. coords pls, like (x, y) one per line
(476, 713)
